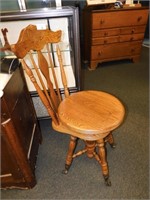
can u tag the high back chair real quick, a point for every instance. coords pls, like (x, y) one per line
(87, 115)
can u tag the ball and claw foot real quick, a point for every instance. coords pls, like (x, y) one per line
(65, 171)
(107, 181)
(113, 145)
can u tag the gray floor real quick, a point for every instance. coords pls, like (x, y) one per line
(128, 163)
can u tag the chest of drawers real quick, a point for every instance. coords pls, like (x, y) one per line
(113, 34)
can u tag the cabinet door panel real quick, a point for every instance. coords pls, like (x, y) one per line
(9, 168)
(23, 121)
(22, 175)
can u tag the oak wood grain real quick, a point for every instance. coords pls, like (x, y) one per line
(91, 112)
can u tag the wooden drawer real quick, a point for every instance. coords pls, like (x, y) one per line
(105, 32)
(105, 40)
(117, 31)
(115, 50)
(132, 30)
(134, 37)
(119, 38)
(121, 18)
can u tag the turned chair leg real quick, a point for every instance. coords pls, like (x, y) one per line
(72, 145)
(90, 146)
(90, 150)
(103, 161)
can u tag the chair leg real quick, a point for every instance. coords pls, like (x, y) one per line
(103, 161)
(110, 140)
(72, 145)
(90, 145)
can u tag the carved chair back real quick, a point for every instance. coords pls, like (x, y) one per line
(35, 43)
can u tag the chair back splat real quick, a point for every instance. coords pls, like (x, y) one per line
(31, 40)
(87, 115)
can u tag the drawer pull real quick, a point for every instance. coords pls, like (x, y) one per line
(105, 41)
(99, 53)
(133, 30)
(106, 33)
(102, 21)
(139, 18)
(132, 50)
(131, 39)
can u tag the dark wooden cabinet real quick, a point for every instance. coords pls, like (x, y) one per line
(113, 34)
(20, 134)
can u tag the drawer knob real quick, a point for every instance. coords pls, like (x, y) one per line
(102, 21)
(131, 39)
(106, 33)
(132, 50)
(139, 18)
(99, 53)
(133, 30)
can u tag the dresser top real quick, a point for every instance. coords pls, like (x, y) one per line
(112, 9)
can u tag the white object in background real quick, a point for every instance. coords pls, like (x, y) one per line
(65, 47)
(61, 24)
(22, 5)
(97, 2)
(4, 78)
(1, 93)
(129, 2)
(58, 3)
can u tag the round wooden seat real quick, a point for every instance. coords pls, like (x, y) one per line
(93, 114)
